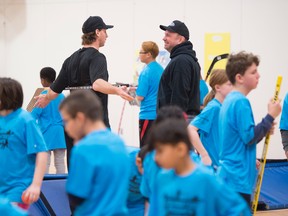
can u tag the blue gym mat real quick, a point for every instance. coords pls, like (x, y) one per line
(274, 190)
(53, 199)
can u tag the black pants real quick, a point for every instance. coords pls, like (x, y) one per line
(144, 127)
(69, 145)
(247, 198)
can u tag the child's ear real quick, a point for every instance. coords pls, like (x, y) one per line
(80, 116)
(138, 161)
(239, 78)
(182, 149)
(139, 164)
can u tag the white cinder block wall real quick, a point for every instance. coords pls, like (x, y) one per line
(38, 33)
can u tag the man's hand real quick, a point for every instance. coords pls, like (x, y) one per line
(286, 153)
(123, 93)
(42, 100)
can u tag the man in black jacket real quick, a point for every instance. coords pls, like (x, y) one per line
(179, 83)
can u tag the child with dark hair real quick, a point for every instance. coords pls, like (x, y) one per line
(47, 76)
(238, 132)
(99, 166)
(204, 130)
(23, 154)
(151, 169)
(51, 124)
(185, 188)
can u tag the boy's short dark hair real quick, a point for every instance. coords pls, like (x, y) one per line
(171, 111)
(238, 63)
(48, 73)
(166, 112)
(84, 101)
(170, 131)
(11, 94)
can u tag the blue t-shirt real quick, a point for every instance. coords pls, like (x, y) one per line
(148, 84)
(236, 129)
(51, 123)
(203, 91)
(135, 201)
(197, 193)
(207, 123)
(99, 174)
(20, 141)
(284, 115)
(151, 170)
(8, 209)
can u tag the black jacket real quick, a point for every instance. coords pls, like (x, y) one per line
(179, 84)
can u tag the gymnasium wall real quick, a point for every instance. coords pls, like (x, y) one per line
(38, 33)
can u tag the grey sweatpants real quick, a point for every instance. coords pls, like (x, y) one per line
(59, 155)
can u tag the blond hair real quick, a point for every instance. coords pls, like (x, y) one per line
(217, 77)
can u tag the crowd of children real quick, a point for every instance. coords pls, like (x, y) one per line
(165, 176)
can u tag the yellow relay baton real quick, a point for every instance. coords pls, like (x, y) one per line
(264, 154)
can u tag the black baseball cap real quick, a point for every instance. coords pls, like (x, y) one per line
(93, 23)
(177, 27)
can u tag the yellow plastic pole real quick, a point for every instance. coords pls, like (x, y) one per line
(264, 154)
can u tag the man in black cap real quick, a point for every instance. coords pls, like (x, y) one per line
(86, 67)
(179, 83)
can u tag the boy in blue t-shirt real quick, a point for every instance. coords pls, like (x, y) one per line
(151, 169)
(148, 83)
(99, 168)
(23, 156)
(238, 133)
(51, 124)
(185, 188)
(284, 125)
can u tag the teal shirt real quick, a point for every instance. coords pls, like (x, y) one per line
(207, 123)
(148, 84)
(284, 115)
(20, 141)
(9, 209)
(135, 201)
(203, 91)
(197, 193)
(51, 123)
(237, 156)
(99, 174)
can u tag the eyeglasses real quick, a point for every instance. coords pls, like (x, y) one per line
(143, 52)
